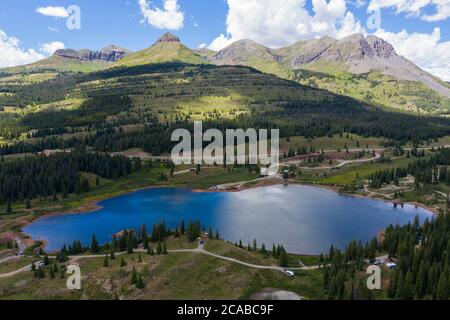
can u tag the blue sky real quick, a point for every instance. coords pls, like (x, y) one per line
(418, 29)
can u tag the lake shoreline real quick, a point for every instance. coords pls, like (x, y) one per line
(94, 205)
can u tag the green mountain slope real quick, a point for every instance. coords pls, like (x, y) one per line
(60, 64)
(252, 54)
(147, 102)
(167, 49)
(366, 68)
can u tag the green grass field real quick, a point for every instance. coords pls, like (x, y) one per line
(177, 276)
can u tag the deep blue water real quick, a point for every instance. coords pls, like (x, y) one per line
(304, 219)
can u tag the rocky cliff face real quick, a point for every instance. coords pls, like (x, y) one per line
(109, 54)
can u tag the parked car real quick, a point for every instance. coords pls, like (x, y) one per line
(290, 273)
(391, 266)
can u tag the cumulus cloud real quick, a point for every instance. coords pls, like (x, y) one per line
(280, 23)
(57, 12)
(424, 49)
(11, 54)
(170, 17)
(50, 47)
(415, 8)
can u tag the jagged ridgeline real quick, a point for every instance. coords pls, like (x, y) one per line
(366, 68)
(139, 106)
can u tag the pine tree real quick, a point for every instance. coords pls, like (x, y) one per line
(106, 262)
(400, 291)
(94, 245)
(123, 263)
(159, 249)
(442, 289)
(139, 258)
(140, 283)
(210, 233)
(283, 258)
(8, 207)
(255, 245)
(130, 245)
(217, 237)
(164, 249)
(182, 228)
(112, 255)
(263, 249)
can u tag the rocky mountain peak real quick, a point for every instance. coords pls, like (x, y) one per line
(381, 48)
(168, 37)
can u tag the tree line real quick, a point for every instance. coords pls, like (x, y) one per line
(59, 173)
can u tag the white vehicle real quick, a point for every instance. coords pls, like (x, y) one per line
(290, 273)
(391, 266)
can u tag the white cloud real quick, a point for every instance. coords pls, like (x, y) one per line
(424, 49)
(415, 8)
(170, 17)
(12, 55)
(280, 23)
(442, 11)
(51, 47)
(358, 3)
(58, 12)
(203, 45)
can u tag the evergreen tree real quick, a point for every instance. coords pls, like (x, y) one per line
(94, 245)
(159, 249)
(210, 233)
(283, 258)
(8, 207)
(263, 249)
(140, 282)
(217, 237)
(442, 289)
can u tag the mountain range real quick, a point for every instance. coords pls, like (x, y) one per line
(363, 67)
